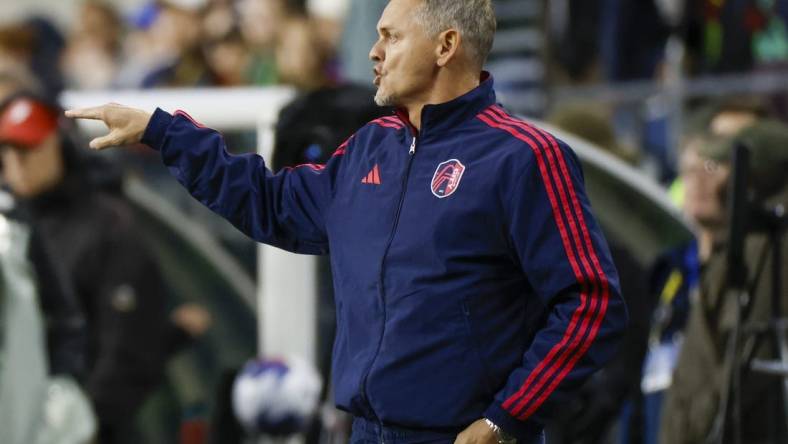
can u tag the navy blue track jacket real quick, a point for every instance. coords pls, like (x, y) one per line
(471, 278)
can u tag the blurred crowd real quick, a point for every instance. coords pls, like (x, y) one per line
(182, 43)
(674, 371)
(307, 43)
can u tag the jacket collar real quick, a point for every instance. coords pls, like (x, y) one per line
(446, 116)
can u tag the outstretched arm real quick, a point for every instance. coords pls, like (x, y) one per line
(286, 210)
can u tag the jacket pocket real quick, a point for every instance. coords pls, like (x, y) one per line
(472, 340)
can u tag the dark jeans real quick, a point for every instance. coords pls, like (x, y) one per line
(371, 432)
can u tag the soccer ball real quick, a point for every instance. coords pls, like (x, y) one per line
(276, 397)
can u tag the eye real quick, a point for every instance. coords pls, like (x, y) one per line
(393, 38)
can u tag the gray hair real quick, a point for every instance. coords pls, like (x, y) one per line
(474, 19)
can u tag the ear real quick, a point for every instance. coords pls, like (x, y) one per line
(448, 44)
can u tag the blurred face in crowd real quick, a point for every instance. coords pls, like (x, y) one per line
(29, 171)
(260, 21)
(404, 56)
(706, 180)
(228, 59)
(100, 22)
(705, 184)
(177, 28)
(300, 57)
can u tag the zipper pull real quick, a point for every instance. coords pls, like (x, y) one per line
(412, 147)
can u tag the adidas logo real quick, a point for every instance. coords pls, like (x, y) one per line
(373, 177)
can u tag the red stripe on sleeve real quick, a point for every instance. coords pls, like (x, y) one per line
(190, 118)
(583, 310)
(563, 170)
(528, 390)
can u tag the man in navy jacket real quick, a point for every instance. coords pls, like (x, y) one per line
(474, 289)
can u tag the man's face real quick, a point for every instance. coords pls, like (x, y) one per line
(705, 181)
(704, 187)
(31, 171)
(404, 56)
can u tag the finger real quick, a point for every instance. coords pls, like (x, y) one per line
(99, 143)
(93, 113)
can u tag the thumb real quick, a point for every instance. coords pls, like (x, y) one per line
(99, 143)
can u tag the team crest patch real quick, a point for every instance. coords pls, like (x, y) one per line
(447, 178)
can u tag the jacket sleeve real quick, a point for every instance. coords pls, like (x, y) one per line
(285, 210)
(567, 263)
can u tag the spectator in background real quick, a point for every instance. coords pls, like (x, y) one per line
(226, 51)
(42, 341)
(90, 60)
(219, 18)
(720, 118)
(302, 59)
(674, 280)
(328, 17)
(141, 52)
(16, 43)
(700, 381)
(74, 201)
(177, 29)
(229, 58)
(37, 45)
(260, 21)
(64, 318)
(677, 274)
(300, 46)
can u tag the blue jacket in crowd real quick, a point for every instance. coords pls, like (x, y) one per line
(471, 278)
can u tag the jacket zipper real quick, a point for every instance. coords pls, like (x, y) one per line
(411, 154)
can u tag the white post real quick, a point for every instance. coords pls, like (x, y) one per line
(286, 292)
(287, 289)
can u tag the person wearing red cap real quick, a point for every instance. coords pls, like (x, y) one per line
(36, 162)
(75, 201)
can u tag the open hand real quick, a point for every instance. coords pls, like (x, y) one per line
(126, 125)
(477, 433)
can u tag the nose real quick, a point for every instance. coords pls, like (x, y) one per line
(376, 53)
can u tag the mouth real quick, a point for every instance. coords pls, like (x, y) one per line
(378, 77)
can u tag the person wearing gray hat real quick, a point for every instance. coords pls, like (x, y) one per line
(768, 142)
(702, 375)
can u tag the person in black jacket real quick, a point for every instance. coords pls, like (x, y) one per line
(77, 206)
(63, 317)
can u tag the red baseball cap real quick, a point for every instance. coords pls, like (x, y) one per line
(26, 122)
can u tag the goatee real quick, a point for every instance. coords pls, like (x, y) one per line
(384, 100)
